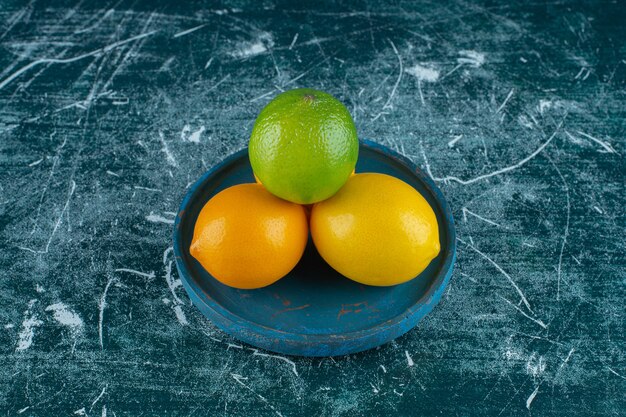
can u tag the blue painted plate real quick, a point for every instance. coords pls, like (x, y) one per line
(314, 311)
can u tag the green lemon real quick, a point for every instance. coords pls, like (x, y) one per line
(303, 146)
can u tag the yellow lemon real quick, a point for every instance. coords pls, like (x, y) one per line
(376, 230)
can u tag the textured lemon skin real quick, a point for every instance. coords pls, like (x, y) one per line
(247, 238)
(377, 230)
(303, 146)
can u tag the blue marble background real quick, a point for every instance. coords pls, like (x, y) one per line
(110, 109)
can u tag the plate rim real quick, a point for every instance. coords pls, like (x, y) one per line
(268, 336)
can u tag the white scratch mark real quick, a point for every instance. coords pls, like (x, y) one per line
(470, 278)
(104, 411)
(96, 24)
(262, 96)
(112, 173)
(582, 69)
(535, 369)
(20, 411)
(409, 359)
(172, 285)
(451, 71)
(378, 115)
(67, 202)
(57, 224)
(293, 80)
(188, 31)
(614, 372)
(565, 232)
(473, 58)
(502, 271)
(96, 52)
(195, 136)
(532, 397)
(607, 146)
(253, 49)
(293, 42)
(240, 380)
(596, 208)
(523, 120)
(494, 173)
(165, 253)
(422, 387)
(139, 187)
(37, 162)
(101, 306)
(454, 140)
(533, 119)
(66, 317)
(388, 104)
(506, 100)
(544, 105)
(422, 73)
(55, 162)
(185, 133)
(259, 46)
(155, 218)
(29, 249)
(374, 388)
(80, 412)
(282, 358)
(25, 337)
(99, 396)
(383, 368)
(170, 158)
(17, 16)
(130, 53)
(419, 89)
(539, 322)
(149, 275)
(208, 63)
(217, 84)
(123, 101)
(573, 138)
(467, 211)
(180, 315)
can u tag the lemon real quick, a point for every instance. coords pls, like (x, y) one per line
(303, 146)
(377, 230)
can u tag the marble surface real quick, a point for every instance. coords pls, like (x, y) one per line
(110, 109)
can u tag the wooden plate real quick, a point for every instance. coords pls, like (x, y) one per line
(314, 311)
